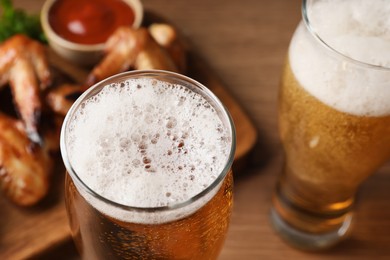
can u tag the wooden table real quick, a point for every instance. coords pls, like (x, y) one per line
(245, 43)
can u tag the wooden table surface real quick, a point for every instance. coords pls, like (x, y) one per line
(245, 43)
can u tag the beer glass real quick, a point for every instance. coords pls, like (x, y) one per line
(148, 157)
(334, 118)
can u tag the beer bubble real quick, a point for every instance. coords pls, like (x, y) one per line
(314, 141)
(106, 163)
(339, 83)
(136, 162)
(135, 137)
(149, 108)
(148, 119)
(124, 143)
(181, 101)
(155, 138)
(104, 142)
(171, 122)
(137, 111)
(150, 169)
(174, 137)
(142, 145)
(151, 153)
(184, 134)
(146, 160)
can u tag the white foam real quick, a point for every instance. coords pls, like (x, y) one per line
(358, 29)
(146, 143)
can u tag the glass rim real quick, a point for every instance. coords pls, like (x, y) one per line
(310, 27)
(96, 88)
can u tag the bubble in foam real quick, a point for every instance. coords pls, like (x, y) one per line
(358, 29)
(136, 163)
(155, 138)
(147, 163)
(124, 143)
(171, 122)
(135, 137)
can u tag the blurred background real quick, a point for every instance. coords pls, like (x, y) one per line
(244, 44)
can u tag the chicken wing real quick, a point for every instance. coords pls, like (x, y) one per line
(24, 166)
(61, 98)
(167, 36)
(131, 48)
(121, 51)
(23, 64)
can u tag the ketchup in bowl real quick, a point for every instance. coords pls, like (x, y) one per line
(89, 21)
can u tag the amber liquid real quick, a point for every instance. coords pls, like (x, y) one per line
(198, 236)
(328, 155)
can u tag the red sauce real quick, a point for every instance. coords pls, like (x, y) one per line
(89, 21)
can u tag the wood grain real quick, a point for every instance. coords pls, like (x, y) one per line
(28, 231)
(245, 43)
(46, 225)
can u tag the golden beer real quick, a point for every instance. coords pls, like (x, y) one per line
(334, 121)
(198, 236)
(148, 157)
(328, 155)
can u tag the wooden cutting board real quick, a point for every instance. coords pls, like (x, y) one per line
(27, 232)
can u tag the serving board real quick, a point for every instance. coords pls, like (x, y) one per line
(28, 232)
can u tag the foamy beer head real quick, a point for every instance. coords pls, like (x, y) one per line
(148, 147)
(351, 74)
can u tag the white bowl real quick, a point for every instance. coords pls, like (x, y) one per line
(81, 54)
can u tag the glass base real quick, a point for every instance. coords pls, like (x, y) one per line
(309, 241)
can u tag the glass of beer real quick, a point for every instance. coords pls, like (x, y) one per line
(148, 157)
(334, 118)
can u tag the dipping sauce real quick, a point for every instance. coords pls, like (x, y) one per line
(89, 21)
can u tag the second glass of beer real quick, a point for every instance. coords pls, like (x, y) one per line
(148, 157)
(334, 116)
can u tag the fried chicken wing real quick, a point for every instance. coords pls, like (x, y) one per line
(61, 98)
(152, 55)
(24, 66)
(167, 36)
(26, 145)
(130, 48)
(24, 166)
(121, 51)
